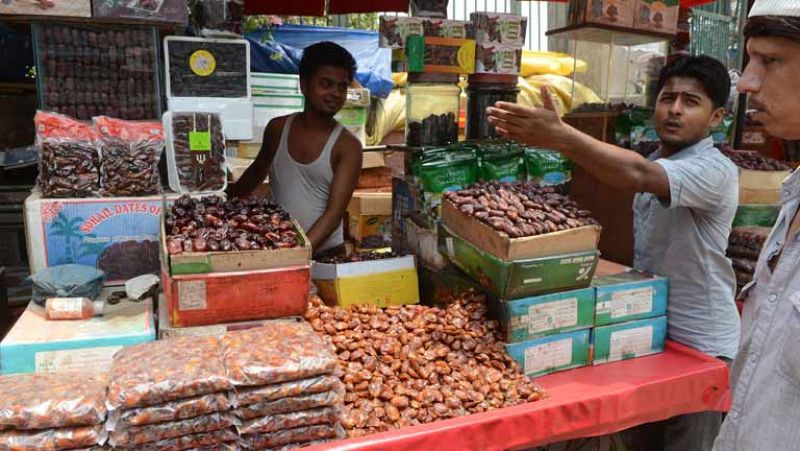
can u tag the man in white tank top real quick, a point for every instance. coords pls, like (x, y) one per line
(313, 163)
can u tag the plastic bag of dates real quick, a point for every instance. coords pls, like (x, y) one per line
(293, 404)
(69, 164)
(162, 431)
(171, 411)
(220, 440)
(195, 152)
(131, 151)
(41, 401)
(289, 420)
(310, 386)
(301, 434)
(158, 372)
(53, 439)
(276, 352)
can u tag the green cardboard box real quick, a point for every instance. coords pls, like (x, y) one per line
(629, 340)
(756, 215)
(628, 296)
(522, 278)
(549, 314)
(548, 355)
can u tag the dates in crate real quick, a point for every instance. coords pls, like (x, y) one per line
(214, 224)
(197, 157)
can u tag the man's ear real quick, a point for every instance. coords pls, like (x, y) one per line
(303, 82)
(716, 117)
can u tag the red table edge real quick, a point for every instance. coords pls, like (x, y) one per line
(430, 432)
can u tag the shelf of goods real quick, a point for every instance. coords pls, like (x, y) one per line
(604, 34)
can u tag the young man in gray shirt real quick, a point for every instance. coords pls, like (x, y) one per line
(687, 197)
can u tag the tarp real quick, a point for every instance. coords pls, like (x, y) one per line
(584, 402)
(283, 54)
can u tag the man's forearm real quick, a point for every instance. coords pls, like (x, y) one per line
(323, 228)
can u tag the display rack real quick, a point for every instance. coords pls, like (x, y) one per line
(608, 34)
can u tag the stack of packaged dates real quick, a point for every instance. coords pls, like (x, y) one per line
(286, 392)
(52, 411)
(171, 394)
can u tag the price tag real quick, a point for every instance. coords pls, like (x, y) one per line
(200, 141)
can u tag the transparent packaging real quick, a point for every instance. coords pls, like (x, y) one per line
(432, 108)
(301, 434)
(220, 440)
(310, 386)
(52, 439)
(195, 152)
(171, 411)
(481, 95)
(278, 422)
(286, 405)
(131, 151)
(69, 164)
(156, 432)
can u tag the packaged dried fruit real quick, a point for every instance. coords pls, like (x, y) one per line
(195, 152)
(157, 432)
(171, 411)
(301, 434)
(158, 372)
(310, 386)
(53, 439)
(272, 423)
(290, 446)
(276, 352)
(69, 165)
(131, 151)
(206, 440)
(41, 401)
(285, 405)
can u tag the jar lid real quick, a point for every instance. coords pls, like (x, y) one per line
(432, 77)
(504, 79)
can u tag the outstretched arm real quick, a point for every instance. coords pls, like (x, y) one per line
(542, 127)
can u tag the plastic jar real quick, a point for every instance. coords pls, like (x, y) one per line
(483, 91)
(432, 104)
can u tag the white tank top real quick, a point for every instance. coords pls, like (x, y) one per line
(303, 189)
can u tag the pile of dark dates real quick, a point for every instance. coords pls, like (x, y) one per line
(520, 209)
(434, 130)
(754, 161)
(360, 257)
(214, 224)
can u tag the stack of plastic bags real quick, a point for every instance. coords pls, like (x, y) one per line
(52, 411)
(170, 395)
(286, 393)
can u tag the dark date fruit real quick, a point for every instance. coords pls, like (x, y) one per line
(754, 161)
(434, 130)
(360, 257)
(209, 224)
(199, 170)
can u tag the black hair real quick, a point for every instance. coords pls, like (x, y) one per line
(773, 27)
(708, 71)
(326, 54)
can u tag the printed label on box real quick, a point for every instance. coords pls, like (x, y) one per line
(192, 295)
(95, 360)
(548, 355)
(552, 315)
(628, 343)
(631, 302)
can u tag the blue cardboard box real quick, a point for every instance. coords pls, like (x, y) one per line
(628, 296)
(550, 354)
(629, 340)
(549, 314)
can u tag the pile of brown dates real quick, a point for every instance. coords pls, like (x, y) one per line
(408, 365)
(520, 209)
(754, 161)
(214, 224)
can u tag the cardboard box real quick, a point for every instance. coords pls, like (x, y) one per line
(262, 83)
(761, 187)
(370, 220)
(619, 13)
(218, 298)
(443, 28)
(118, 235)
(514, 280)
(628, 296)
(657, 15)
(442, 55)
(628, 340)
(547, 355)
(392, 281)
(393, 30)
(756, 215)
(373, 159)
(172, 11)
(511, 249)
(497, 59)
(499, 28)
(549, 314)
(37, 345)
(165, 329)
(65, 8)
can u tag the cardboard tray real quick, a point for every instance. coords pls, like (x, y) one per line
(761, 187)
(364, 203)
(220, 262)
(487, 239)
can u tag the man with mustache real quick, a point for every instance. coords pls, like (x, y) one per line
(313, 163)
(686, 201)
(765, 377)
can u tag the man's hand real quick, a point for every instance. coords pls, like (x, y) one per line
(539, 127)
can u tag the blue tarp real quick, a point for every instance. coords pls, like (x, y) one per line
(283, 55)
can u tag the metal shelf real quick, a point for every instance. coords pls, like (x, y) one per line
(608, 34)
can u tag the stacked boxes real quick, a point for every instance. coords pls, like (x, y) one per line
(370, 220)
(384, 282)
(499, 40)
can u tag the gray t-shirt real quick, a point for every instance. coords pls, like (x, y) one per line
(686, 239)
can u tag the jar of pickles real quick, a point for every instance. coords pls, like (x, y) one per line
(483, 91)
(432, 104)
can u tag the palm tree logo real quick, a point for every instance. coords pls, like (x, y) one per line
(69, 230)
